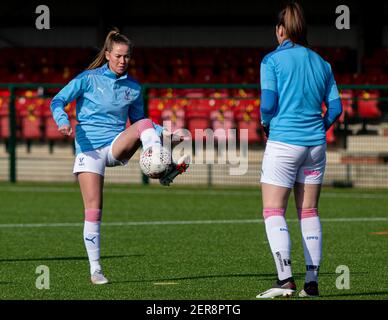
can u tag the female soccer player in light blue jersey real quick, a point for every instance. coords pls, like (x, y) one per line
(106, 97)
(294, 82)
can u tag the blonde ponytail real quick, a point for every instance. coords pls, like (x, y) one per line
(114, 36)
(294, 23)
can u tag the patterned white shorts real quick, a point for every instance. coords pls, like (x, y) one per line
(97, 160)
(284, 164)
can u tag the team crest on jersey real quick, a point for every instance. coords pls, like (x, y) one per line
(131, 94)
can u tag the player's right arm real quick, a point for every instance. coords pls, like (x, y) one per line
(332, 101)
(68, 93)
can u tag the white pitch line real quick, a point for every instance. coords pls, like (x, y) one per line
(187, 222)
(194, 192)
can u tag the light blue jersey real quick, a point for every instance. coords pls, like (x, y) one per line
(294, 82)
(104, 103)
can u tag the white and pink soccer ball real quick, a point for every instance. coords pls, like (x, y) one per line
(154, 161)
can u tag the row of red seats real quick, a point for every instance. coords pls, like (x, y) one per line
(158, 74)
(33, 119)
(223, 116)
(227, 113)
(195, 111)
(358, 105)
(155, 65)
(174, 56)
(377, 62)
(247, 75)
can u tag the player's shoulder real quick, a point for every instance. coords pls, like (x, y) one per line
(282, 51)
(319, 59)
(83, 74)
(90, 72)
(268, 56)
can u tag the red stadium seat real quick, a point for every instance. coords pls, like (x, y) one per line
(247, 116)
(368, 105)
(222, 119)
(368, 110)
(30, 112)
(51, 130)
(173, 116)
(347, 105)
(204, 75)
(4, 120)
(330, 137)
(197, 116)
(181, 74)
(155, 108)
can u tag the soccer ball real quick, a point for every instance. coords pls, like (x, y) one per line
(154, 161)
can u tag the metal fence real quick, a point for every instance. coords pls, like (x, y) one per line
(357, 144)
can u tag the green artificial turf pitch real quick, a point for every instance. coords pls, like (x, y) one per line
(181, 243)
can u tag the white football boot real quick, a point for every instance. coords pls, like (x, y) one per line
(98, 278)
(285, 290)
(174, 170)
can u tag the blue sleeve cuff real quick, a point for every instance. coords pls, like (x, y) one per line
(269, 102)
(58, 112)
(334, 110)
(63, 122)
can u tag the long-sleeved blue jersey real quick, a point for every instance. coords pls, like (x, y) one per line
(104, 103)
(294, 82)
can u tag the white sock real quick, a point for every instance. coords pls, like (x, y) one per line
(149, 137)
(280, 243)
(312, 246)
(92, 244)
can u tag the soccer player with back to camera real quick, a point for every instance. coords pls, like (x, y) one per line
(294, 82)
(106, 97)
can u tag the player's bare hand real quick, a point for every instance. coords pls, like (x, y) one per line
(66, 130)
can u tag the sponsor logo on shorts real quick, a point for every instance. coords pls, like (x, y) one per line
(312, 172)
(81, 162)
(283, 229)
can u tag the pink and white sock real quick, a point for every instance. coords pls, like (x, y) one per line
(92, 237)
(147, 133)
(279, 240)
(312, 241)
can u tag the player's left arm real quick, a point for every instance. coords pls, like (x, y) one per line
(332, 101)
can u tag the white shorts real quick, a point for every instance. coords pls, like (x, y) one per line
(96, 160)
(284, 164)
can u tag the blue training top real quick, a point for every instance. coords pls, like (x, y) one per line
(294, 82)
(104, 103)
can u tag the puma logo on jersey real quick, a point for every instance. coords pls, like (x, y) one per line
(101, 90)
